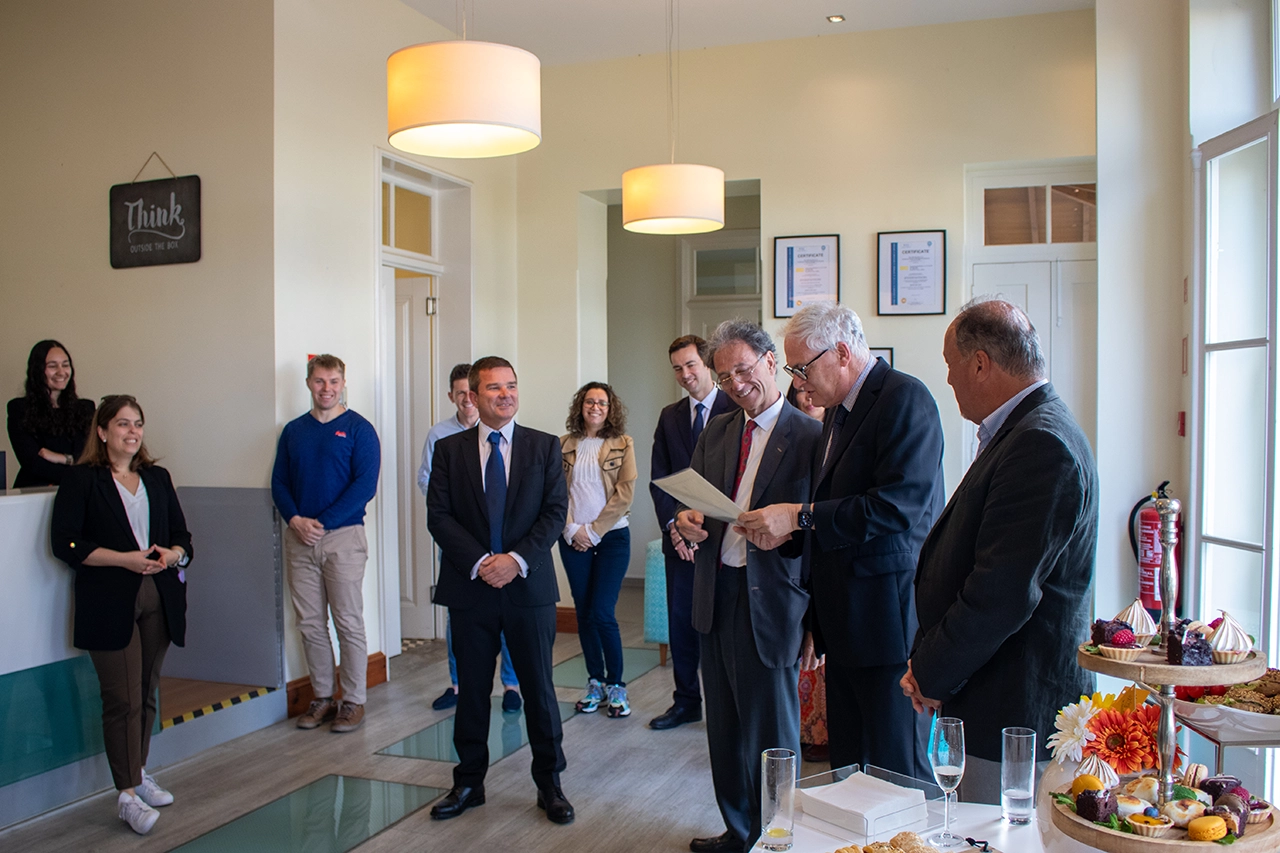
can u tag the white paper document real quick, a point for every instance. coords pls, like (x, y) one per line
(691, 489)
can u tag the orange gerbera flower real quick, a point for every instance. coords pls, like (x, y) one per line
(1123, 741)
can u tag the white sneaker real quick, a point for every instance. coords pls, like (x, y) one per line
(133, 811)
(151, 792)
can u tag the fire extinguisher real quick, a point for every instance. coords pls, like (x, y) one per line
(1144, 536)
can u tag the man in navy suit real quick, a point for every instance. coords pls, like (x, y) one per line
(1005, 581)
(495, 504)
(679, 426)
(877, 487)
(748, 602)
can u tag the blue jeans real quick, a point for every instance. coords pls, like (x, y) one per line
(508, 674)
(595, 579)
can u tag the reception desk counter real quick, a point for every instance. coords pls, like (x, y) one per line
(50, 711)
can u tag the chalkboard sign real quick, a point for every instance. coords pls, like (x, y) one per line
(155, 222)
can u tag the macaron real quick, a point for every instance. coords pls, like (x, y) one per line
(1207, 828)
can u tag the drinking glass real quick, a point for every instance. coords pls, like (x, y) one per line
(946, 756)
(777, 798)
(1017, 774)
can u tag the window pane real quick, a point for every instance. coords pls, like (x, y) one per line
(1233, 582)
(1235, 443)
(1014, 215)
(386, 214)
(1075, 213)
(413, 221)
(726, 272)
(1237, 251)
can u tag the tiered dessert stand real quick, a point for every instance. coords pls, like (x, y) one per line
(1151, 668)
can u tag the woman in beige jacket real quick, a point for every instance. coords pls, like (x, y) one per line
(600, 469)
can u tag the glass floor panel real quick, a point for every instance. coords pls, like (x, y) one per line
(635, 663)
(331, 815)
(435, 743)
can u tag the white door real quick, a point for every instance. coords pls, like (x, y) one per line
(719, 280)
(415, 348)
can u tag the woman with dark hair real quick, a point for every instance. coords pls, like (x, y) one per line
(813, 682)
(600, 468)
(48, 426)
(117, 522)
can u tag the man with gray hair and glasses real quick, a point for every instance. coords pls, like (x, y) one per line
(1004, 585)
(876, 488)
(748, 603)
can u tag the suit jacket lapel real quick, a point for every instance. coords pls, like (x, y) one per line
(157, 504)
(519, 458)
(107, 485)
(779, 440)
(686, 424)
(732, 444)
(867, 397)
(471, 462)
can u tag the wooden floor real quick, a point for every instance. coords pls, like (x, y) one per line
(634, 789)
(180, 695)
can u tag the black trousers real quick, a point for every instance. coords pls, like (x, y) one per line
(870, 721)
(530, 632)
(682, 638)
(750, 707)
(127, 679)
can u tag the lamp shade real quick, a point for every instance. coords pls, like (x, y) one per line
(673, 198)
(464, 99)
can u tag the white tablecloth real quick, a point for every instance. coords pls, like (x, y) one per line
(970, 820)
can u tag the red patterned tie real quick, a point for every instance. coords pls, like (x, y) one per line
(743, 452)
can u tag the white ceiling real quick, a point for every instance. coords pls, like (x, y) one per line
(562, 32)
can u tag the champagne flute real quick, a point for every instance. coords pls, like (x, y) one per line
(946, 756)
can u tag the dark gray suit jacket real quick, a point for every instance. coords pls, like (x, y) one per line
(1004, 585)
(672, 450)
(537, 502)
(778, 600)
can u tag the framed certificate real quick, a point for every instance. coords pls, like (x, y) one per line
(806, 270)
(883, 352)
(912, 272)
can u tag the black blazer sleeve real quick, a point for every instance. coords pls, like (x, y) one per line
(33, 468)
(69, 538)
(660, 466)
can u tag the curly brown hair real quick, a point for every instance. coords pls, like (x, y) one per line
(615, 423)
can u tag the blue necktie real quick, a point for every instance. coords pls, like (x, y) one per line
(697, 422)
(495, 492)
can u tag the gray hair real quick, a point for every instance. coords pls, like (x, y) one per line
(1003, 332)
(822, 325)
(740, 330)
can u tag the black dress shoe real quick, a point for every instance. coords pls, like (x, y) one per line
(457, 801)
(727, 843)
(552, 801)
(677, 715)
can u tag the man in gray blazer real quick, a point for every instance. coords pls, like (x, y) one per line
(748, 603)
(1004, 583)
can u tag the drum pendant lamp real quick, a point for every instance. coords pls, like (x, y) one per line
(672, 198)
(464, 99)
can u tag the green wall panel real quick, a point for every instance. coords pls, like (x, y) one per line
(50, 716)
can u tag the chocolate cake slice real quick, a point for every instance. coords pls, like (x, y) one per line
(1104, 629)
(1096, 805)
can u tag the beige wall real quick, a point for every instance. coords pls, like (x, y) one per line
(1143, 224)
(850, 134)
(89, 90)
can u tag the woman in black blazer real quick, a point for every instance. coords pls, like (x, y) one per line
(117, 522)
(48, 426)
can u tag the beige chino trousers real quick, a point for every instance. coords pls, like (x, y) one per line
(328, 579)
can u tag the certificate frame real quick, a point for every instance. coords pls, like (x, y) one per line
(883, 352)
(926, 287)
(796, 282)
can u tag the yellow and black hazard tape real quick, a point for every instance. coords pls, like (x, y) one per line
(217, 706)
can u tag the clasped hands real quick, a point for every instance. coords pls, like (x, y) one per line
(141, 562)
(766, 528)
(308, 530)
(498, 570)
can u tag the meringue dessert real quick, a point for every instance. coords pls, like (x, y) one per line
(1230, 642)
(1096, 767)
(1144, 627)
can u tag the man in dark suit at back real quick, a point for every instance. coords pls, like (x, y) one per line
(679, 426)
(748, 603)
(495, 504)
(1005, 580)
(877, 487)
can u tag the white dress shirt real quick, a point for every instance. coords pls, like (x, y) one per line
(138, 510)
(733, 549)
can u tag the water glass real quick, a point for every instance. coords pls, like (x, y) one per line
(946, 756)
(1017, 774)
(777, 798)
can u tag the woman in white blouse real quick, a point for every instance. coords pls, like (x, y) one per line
(117, 523)
(600, 468)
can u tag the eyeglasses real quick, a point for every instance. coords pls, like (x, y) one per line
(740, 376)
(803, 370)
(595, 404)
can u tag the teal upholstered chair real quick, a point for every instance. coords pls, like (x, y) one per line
(655, 599)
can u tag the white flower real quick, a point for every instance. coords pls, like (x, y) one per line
(1072, 724)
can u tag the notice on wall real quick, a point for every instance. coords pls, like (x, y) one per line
(155, 222)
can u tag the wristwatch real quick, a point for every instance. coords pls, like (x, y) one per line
(184, 560)
(804, 518)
